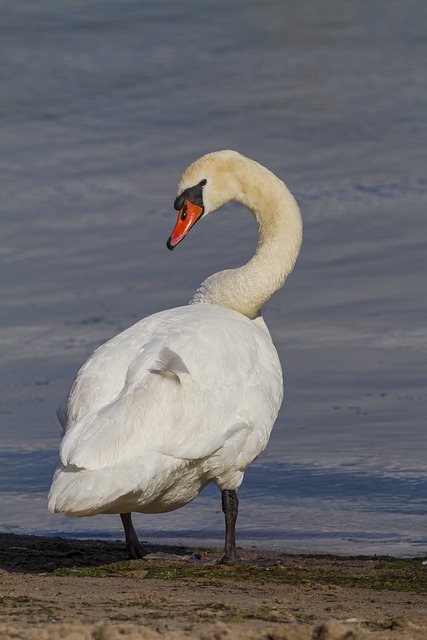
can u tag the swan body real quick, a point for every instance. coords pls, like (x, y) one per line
(189, 395)
(141, 438)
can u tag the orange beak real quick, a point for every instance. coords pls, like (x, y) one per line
(187, 218)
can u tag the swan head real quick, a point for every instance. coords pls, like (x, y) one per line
(206, 185)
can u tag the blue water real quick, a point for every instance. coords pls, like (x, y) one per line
(102, 105)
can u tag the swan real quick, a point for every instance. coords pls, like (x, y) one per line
(189, 395)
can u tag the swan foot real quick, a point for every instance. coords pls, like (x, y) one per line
(136, 551)
(134, 547)
(228, 558)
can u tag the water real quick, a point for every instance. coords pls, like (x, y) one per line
(102, 107)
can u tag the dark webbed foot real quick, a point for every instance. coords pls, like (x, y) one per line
(135, 549)
(228, 559)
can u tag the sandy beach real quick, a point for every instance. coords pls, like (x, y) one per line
(53, 588)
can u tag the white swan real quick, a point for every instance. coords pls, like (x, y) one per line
(189, 395)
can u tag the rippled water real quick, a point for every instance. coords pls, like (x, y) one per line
(102, 107)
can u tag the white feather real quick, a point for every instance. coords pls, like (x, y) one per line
(183, 397)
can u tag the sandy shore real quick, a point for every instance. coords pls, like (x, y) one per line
(53, 588)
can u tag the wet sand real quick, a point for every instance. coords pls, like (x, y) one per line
(53, 588)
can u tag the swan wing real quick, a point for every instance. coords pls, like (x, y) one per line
(164, 397)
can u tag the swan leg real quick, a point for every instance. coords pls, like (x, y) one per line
(133, 544)
(230, 504)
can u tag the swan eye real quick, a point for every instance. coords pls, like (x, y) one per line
(184, 212)
(202, 182)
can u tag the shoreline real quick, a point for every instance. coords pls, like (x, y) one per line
(67, 588)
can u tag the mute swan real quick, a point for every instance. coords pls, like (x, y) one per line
(189, 395)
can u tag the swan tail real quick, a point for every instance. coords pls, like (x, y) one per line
(83, 492)
(87, 492)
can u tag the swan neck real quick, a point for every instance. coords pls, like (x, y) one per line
(247, 288)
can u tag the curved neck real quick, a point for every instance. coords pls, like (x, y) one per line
(247, 288)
